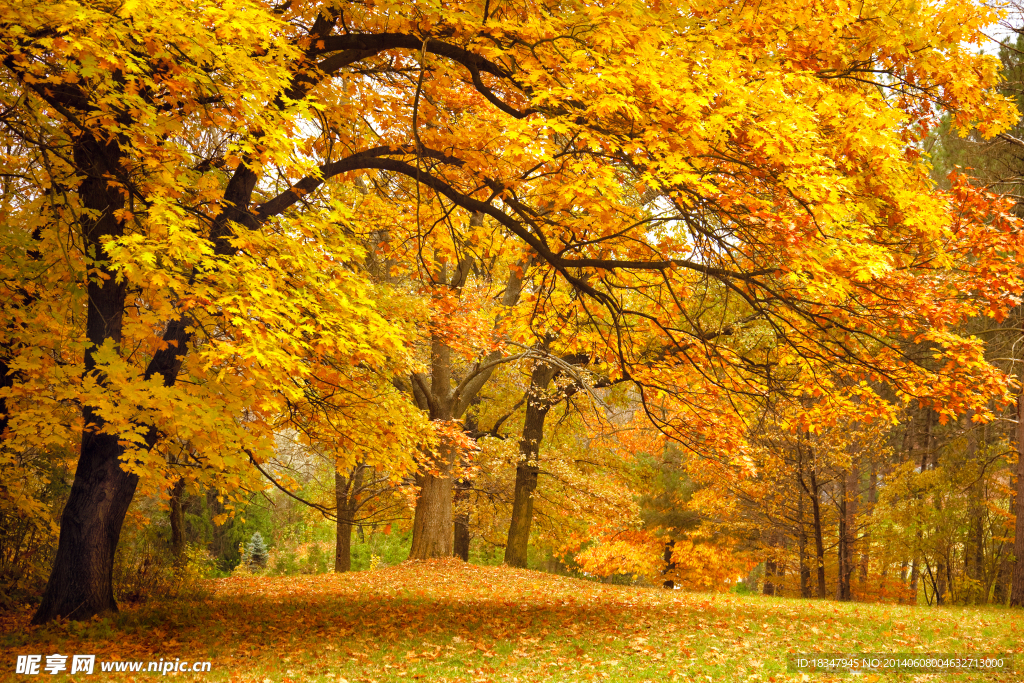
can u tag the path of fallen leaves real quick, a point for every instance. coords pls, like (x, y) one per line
(448, 621)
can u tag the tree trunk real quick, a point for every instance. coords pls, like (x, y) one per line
(805, 569)
(81, 582)
(346, 492)
(843, 550)
(537, 406)
(461, 548)
(1017, 578)
(865, 539)
(819, 542)
(769, 574)
(670, 564)
(432, 526)
(915, 575)
(847, 533)
(219, 536)
(177, 521)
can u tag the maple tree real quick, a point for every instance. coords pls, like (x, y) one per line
(708, 200)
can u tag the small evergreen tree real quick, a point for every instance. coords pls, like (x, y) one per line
(256, 552)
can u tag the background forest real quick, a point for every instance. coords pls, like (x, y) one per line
(667, 294)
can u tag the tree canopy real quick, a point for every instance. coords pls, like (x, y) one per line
(224, 220)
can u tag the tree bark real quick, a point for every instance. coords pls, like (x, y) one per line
(537, 406)
(819, 542)
(843, 549)
(346, 492)
(177, 521)
(461, 545)
(805, 569)
(81, 582)
(670, 564)
(432, 526)
(1017, 578)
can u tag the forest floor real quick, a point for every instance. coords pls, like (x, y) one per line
(449, 621)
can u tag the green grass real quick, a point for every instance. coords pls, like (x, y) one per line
(447, 621)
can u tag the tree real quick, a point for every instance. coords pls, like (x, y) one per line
(256, 552)
(199, 164)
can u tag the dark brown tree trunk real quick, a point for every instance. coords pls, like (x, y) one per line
(805, 568)
(670, 564)
(819, 541)
(843, 551)
(865, 539)
(346, 500)
(537, 406)
(218, 538)
(1017, 578)
(177, 521)
(769, 576)
(847, 526)
(1002, 584)
(461, 543)
(81, 582)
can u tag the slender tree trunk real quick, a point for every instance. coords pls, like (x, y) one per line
(346, 492)
(771, 566)
(461, 548)
(865, 539)
(537, 407)
(670, 564)
(1003, 582)
(819, 541)
(1017, 578)
(219, 537)
(177, 520)
(81, 583)
(843, 549)
(805, 569)
(847, 533)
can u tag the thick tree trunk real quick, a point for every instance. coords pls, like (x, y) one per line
(432, 526)
(177, 521)
(81, 583)
(537, 406)
(1017, 578)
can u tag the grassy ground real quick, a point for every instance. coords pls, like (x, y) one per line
(448, 621)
